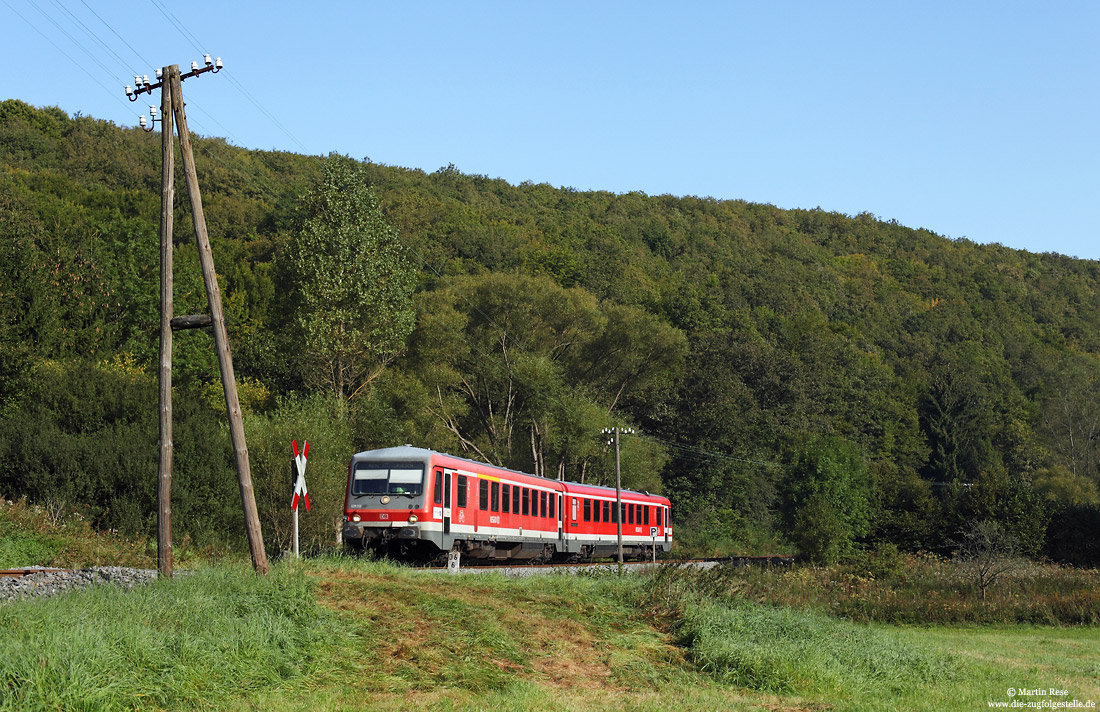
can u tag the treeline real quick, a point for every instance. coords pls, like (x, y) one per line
(799, 378)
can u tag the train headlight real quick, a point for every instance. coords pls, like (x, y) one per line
(356, 518)
(413, 519)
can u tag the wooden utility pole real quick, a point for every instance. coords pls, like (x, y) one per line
(221, 339)
(164, 376)
(172, 105)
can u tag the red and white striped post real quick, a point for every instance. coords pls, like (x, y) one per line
(300, 491)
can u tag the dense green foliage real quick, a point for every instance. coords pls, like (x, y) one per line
(859, 380)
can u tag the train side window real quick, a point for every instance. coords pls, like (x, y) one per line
(515, 499)
(587, 510)
(438, 496)
(645, 514)
(553, 504)
(638, 513)
(542, 504)
(659, 510)
(506, 498)
(606, 511)
(483, 494)
(462, 490)
(574, 501)
(494, 496)
(526, 501)
(630, 514)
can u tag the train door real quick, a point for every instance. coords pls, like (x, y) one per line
(560, 517)
(446, 502)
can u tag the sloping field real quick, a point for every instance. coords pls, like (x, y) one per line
(344, 634)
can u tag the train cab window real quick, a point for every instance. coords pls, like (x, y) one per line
(542, 504)
(483, 494)
(494, 496)
(462, 490)
(526, 501)
(659, 510)
(506, 498)
(587, 510)
(438, 496)
(645, 515)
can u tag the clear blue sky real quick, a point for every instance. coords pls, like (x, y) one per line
(971, 119)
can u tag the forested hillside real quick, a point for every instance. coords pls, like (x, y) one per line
(799, 378)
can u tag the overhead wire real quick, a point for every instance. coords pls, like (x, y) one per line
(189, 36)
(80, 23)
(63, 53)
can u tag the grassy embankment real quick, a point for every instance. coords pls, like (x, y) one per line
(35, 535)
(342, 634)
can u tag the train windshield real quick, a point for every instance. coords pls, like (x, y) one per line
(405, 478)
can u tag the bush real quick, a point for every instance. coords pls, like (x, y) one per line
(323, 422)
(86, 435)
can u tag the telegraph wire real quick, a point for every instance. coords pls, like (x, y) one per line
(76, 20)
(178, 25)
(65, 54)
(189, 36)
(116, 34)
(72, 39)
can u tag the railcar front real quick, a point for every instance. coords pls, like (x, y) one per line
(387, 505)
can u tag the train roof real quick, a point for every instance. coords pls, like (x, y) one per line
(410, 452)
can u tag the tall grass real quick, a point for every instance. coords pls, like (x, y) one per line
(927, 590)
(786, 651)
(169, 644)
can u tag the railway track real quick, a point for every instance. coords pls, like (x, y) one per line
(518, 568)
(735, 561)
(16, 573)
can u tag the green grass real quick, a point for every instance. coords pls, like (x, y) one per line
(342, 633)
(31, 534)
(193, 641)
(789, 651)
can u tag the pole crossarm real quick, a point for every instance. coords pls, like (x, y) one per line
(142, 85)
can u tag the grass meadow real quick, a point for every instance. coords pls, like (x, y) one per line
(336, 634)
(889, 632)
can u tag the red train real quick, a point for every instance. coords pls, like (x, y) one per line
(413, 503)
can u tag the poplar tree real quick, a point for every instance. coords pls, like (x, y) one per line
(351, 283)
